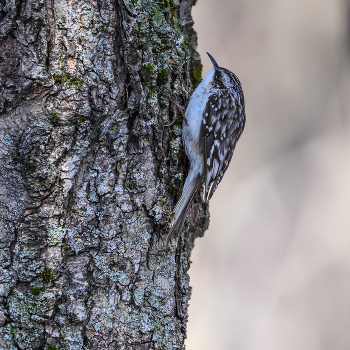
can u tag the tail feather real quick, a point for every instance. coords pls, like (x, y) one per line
(183, 206)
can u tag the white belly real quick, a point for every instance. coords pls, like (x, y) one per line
(191, 132)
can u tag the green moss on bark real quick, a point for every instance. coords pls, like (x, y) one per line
(68, 78)
(46, 274)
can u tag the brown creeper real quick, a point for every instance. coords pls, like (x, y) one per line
(215, 121)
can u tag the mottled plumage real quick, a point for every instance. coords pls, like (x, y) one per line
(215, 121)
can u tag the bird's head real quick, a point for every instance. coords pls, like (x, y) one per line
(223, 78)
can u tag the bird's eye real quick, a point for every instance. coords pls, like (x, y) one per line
(219, 76)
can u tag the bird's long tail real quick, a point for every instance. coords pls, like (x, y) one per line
(183, 205)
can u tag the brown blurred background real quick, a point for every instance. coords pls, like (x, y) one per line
(273, 271)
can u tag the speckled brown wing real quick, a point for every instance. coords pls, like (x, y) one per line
(223, 124)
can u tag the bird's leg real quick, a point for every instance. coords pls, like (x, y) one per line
(173, 122)
(167, 125)
(176, 105)
(173, 99)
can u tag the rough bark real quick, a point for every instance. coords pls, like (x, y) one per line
(88, 175)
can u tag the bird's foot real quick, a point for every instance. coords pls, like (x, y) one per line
(173, 99)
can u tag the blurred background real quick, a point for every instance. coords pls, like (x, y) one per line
(273, 270)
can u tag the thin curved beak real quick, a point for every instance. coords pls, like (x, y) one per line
(212, 60)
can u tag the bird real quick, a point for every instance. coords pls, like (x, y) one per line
(215, 120)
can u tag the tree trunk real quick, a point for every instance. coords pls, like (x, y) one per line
(89, 175)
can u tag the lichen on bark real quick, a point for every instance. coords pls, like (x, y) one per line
(89, 175)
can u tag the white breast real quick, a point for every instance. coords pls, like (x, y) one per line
(194, 116)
